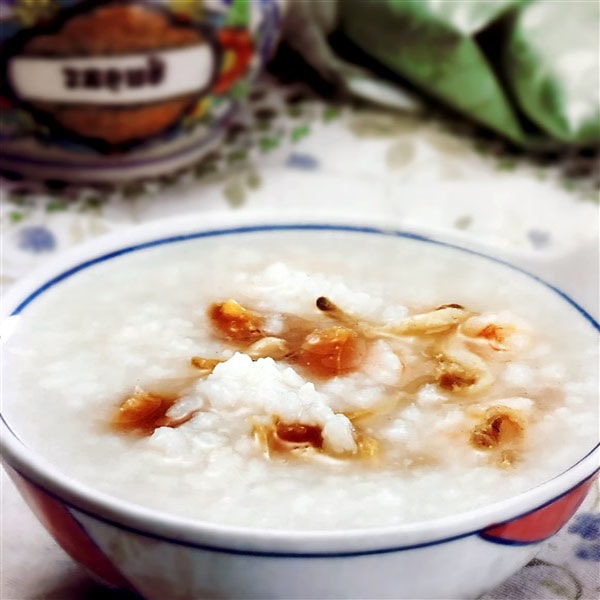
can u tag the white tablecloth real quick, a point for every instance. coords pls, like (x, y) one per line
(290, 152)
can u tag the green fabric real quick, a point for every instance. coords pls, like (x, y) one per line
(526, 69)
(551, 60)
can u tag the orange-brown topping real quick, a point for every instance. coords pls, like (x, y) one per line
(278, 437)
(299, 434)
(495, 334)
(332, 351)
(324, 352)
(501, 426)
(143, 412)
(454, 378)
(205, 364)
(368, 447)
(235, 322)
(442, 351)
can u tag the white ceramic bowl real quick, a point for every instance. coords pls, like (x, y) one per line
(163, 556)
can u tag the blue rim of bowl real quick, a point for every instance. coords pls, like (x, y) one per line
(301, 227)
(293, 227)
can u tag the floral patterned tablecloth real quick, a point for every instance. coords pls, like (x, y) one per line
(290, 151)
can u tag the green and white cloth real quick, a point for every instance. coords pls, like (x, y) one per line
(526, 69)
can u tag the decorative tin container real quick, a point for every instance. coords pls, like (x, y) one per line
(110, 90)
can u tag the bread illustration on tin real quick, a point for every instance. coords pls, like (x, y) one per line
(113, 75)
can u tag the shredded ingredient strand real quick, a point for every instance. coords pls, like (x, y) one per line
(439, 320)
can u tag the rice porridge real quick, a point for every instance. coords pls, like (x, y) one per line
(304, 379)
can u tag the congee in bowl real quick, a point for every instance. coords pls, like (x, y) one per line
(303, 378)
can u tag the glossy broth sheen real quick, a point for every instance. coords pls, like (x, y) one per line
(136, 376)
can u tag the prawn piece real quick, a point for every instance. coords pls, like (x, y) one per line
(501, 427)
(439, 320)
(277, 437)
(496, 332)
(333, 311)
(445, 316)
(460, 370)
(436, 321)
(273, 347)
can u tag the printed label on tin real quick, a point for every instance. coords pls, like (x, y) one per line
(111, 80)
